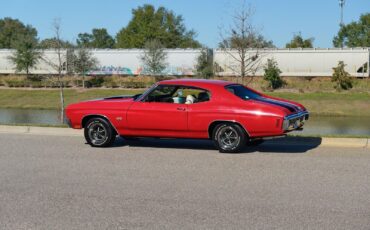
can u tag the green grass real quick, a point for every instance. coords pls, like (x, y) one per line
(318, 103)
(49, 99)
(338, 96)
(331, 103)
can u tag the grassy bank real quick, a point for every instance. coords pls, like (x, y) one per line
(319, 103)
(49, 98)
(331, 103)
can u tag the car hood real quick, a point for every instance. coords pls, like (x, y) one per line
(116, 102)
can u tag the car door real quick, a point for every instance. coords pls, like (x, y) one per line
(160, 116)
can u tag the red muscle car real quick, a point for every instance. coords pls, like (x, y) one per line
(230, 114)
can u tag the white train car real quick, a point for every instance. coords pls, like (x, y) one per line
(46, 65)
(182, 62)
(128, 61)
(301, 62)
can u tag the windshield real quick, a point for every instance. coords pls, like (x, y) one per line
(242, 92)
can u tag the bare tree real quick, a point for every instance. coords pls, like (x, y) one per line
(58, 65)
(58, 49)
(242, 43)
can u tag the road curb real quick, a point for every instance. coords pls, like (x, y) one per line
(53, 131)
(345, 142)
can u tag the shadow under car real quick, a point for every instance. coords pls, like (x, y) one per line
(279, 145)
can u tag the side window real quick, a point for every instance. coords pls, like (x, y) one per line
(161, 94)
(178, 95)
(189, 95)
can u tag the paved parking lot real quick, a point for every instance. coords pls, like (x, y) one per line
(55, 182)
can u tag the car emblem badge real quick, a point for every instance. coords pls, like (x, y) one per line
(119, 118)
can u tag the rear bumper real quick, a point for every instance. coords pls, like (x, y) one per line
(295, 121)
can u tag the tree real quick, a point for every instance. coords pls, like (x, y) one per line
(205, 64)
(257, 41)
(12, 31)
(52, 43)
(26, 54)
(299, 42)
(237, 42)
(83, 62)
(98, 39)
(341, 77)
(355, 34)
(272, 74)
(154, 58)
(160, 24)
(59, 64)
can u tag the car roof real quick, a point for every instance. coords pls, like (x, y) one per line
(196, 82)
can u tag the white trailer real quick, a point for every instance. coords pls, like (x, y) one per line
(301, 62)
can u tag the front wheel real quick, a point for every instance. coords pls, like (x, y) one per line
(99, 132)
(229, 138)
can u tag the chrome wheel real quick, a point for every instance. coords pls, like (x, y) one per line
(228, 137)
(97, 133)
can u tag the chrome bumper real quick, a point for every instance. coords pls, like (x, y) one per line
(295, 121)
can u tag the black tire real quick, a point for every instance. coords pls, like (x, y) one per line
(229, 138)
(255, 142)
(99, 132)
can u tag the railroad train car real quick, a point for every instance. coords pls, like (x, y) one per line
(182, 62)
(299, 62)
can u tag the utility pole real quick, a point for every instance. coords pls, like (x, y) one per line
(341, 24)
(341, 5)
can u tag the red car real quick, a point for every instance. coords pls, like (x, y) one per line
(230, 114)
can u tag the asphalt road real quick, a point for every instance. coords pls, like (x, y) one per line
(49, 182)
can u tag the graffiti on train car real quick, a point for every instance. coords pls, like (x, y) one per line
(111, 70)
(122, 70)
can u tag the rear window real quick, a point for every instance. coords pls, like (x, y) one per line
(242, 92)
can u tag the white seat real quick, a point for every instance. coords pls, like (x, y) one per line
(189, 99)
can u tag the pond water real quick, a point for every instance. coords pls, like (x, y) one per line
(316, 125)
(30, 116)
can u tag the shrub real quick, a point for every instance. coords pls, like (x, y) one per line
(272, 74)
(341, 77)
(109, 82)
(95, 82)
(133, 84)
(35, 78)
(15, 83)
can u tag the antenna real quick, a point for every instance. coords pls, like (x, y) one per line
(341, 5)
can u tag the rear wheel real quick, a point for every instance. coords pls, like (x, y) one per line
(229, 138)
(99, 132)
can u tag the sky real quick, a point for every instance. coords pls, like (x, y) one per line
(276, 20)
